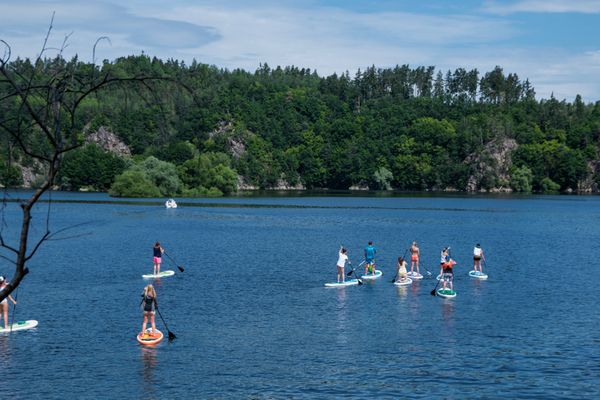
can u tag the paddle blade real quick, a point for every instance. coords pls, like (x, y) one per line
(349, 273)
(172, 336)
(359, 282)
(180, 268)
(433, 292)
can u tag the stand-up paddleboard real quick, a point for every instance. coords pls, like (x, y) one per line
(403, 282)
(147, 338)
(414, 275)
(477, 275)
(162, 274)
(446, 293)
(20, 326)
(376, 275)
(342, 284)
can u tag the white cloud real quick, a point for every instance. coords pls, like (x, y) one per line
(326, 39)
(543, 6)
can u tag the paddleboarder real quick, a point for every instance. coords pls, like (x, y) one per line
(149, 305)
(477, 257)
(341, 263)
(414, 257)
(4, 303)
(370, 252)
(401, 266)
(158, 252)
(446, 273)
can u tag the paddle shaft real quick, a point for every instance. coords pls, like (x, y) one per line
(171, 334)
(174, 262)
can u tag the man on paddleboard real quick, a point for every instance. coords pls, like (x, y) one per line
(370, 252)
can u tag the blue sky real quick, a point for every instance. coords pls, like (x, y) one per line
(554, 43)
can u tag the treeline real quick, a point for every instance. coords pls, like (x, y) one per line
(383, 128)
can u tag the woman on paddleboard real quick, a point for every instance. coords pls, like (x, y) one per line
(477, 257)
(401, 266)
(414, 257)
(341, 262)
(158, 252)
(4, 303)
(149, 305)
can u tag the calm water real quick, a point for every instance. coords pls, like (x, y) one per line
(253, 319)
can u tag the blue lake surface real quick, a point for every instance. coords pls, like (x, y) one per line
(253, 319)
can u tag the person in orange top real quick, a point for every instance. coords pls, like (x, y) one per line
(446, 273)
(414, 257)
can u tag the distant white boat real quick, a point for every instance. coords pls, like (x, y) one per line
(170, 203)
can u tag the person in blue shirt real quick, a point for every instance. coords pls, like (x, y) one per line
(370, 252)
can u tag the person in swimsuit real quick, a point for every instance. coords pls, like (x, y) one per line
(414, 257)
(401, 265)
(149, 305)
(341, 262)
(158, 252)
(370, 252)
(4, 303)
(477, 257)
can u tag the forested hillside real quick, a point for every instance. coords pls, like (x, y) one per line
(395, 128)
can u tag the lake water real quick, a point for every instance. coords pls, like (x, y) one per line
(253, 319)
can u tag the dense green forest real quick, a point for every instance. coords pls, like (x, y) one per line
(383, 128)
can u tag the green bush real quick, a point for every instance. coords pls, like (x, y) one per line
(133, 183)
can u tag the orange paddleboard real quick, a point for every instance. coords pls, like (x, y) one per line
(148, 338)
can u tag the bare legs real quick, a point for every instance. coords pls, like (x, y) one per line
(152, 323)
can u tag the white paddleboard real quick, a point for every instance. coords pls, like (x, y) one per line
(403, 282)
(342, 284)
(477, 275)
(374, 276)
(20, 326)
(414, 275)
(161, 275)
(446, 293)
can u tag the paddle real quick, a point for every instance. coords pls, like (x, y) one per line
(433, 292)
(350, 272)
(396, 277)
(174, 262)
(357, 278)
(171, 334)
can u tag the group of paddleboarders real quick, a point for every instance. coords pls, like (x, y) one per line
(446, 263)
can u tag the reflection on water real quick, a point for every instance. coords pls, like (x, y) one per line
(402, 291)
(4, 349)
(149, 363)
(342, 318)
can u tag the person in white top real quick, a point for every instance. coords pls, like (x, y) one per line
(4, 303)
(477, 257)
(341, 262)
